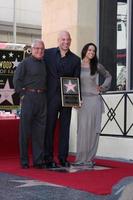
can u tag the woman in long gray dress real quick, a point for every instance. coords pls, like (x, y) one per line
(90, 113)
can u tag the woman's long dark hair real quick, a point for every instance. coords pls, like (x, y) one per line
(94, 61)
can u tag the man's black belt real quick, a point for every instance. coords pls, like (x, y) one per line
(34, 90)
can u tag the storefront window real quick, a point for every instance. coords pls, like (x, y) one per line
(121, 44)
(113, 40)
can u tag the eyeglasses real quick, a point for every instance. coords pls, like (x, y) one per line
(37, 48)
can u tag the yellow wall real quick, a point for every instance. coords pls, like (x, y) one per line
(86, 23)
(74, 16)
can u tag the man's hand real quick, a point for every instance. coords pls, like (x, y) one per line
(80, 104)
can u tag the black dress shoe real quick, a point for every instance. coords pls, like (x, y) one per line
(64, 163)
(25, 166)
(39, 166)
(51, 164)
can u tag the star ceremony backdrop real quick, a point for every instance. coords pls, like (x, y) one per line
(10, 57)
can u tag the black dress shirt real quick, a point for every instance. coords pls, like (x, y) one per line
(57, 66)
(30, 73)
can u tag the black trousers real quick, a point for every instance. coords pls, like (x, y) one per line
(55, 108)
(32, 125)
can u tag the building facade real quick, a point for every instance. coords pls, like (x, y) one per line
(22, 15)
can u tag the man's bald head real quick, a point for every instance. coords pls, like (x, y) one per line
(64, 33)
(64, 41)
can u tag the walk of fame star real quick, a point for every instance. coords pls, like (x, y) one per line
(30, 183)
(6, 93)
(15, 63)
(70, 86)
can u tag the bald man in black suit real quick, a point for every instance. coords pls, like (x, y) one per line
(60, 62)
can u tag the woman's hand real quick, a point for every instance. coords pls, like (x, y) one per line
(99, 88)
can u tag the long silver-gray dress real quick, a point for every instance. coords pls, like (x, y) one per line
(90, 114)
